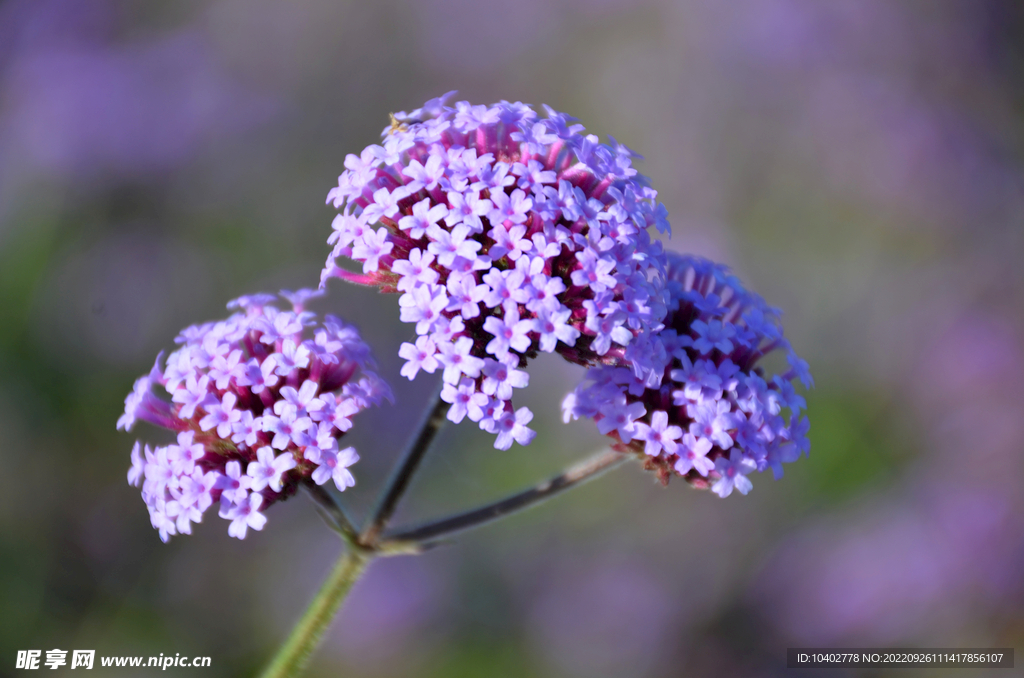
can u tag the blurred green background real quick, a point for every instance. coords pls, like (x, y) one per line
(859, 163)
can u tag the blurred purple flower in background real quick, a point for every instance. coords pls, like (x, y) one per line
(608, 617)
(942, 549)
(393, 616)
(81, 104)
(909, 571)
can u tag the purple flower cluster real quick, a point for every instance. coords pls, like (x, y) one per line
(507, 234)
(259, 407)
(711, 417)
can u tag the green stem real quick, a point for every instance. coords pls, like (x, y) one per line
(424, 536)
(307, 634)
(398, 483)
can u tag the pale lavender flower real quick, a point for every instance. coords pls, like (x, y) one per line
(268, 469)
(197, 489)
(457, 360)
(465, 399)
(512, 426)
(222, 415)
(137, 472)
(243, 515)
(733, 474)
(421, 356)
(233, 483)
(186, 453)
(658, 435)
(285, 428)
(299, 400)
(510, 333)
(500, 378)
(333, 465)
(618, 417)
(692, 453)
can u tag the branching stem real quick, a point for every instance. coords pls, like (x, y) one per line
(588, 469)
(402, 475)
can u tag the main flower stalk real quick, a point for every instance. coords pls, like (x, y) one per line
(373, 542)
(308, 632)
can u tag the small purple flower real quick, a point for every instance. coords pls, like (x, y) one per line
(542, 294)
(467, 208)
(800, 369)
(510, 333)
(423, 306)
(500, 379)
(421, 356)
(779, 454)
(260, 376)
(334, 465)
(713, 334)
(733, 474)
(293, 356)
(225, 366)
(137, 472)
(300, 401)
(197, 489)
(457, 360)
(159, 471)
(694, 377)
(186, 453)
(243, 515)
(234, 485)
(246, 428)
(415, 271)
(509, 243)
(195, 394)
(423, 215)
(285, 428)
(385, 204)
(512, 426)
(553, 326)
(465, 399)
(658, 435)
(693, 456)
(618, 416)
(222, 415)
(595, 271)
(428, 176)
(465, 294)
(268, 469)
(712, 419)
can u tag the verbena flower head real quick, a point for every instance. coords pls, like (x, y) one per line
(260, 402)
(507, 234)
(713, 416)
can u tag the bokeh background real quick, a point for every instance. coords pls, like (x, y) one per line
(859, 163)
